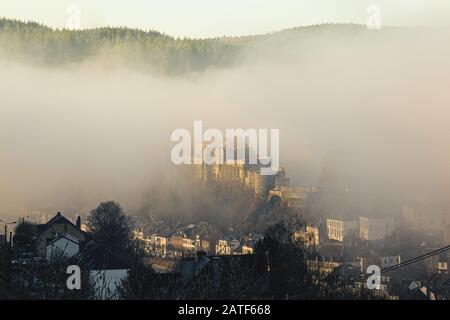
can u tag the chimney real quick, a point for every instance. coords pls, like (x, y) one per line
(78, 224)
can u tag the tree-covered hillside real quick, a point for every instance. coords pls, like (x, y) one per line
(35, 43)
(147, 50)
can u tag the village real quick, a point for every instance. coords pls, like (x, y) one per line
(181, 254)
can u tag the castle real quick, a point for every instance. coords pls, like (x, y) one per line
(274, 189)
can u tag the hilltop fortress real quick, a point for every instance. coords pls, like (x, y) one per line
(273, 189)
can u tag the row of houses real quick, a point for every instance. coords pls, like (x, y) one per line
(189, 240)
(337, 230)
(368, 229)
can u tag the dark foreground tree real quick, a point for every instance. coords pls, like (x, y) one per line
(6, 272)
(111, 225)
(48, 281)
(143, 283)
(225, 277)
(283, 258)
(276, 270)
(24, 236)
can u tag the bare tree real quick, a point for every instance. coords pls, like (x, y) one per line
(111, 225)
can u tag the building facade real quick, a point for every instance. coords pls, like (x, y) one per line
(335, 229)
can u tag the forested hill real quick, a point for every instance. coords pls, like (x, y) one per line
(148, 50)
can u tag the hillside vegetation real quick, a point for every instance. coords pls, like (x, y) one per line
(147, 50)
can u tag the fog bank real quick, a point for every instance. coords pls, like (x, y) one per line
(373, 108)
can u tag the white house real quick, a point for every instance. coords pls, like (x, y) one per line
(107, 269)
(160, 243)
(63, 245)
(107, 282)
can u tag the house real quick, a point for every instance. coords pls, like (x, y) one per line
(335, 229)
(107, 269)
(434, 264)
(195, 237)
(138, 234)
(247, 249)
(422, 293)
(442, 267)
(223, 248)
(437, 264)
(235, 246)
(308, 235)
(382, 290)
(145, 243)
(322, 267)
(160, 243)
(371, 229)
(384, 259)
(249, 243)
(188, 245)
(176, 242)
(63, 245)
(54, 228)
(201, 244)
(182, 243)
(390, 261)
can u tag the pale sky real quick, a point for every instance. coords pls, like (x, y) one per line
(209, 18)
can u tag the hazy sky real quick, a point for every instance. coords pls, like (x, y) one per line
(207, 18)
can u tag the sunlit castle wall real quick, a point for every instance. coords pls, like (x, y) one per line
(263, 183)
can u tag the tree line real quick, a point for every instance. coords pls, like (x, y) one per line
(152, 51)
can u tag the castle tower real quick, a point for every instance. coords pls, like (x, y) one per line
(263, 184)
